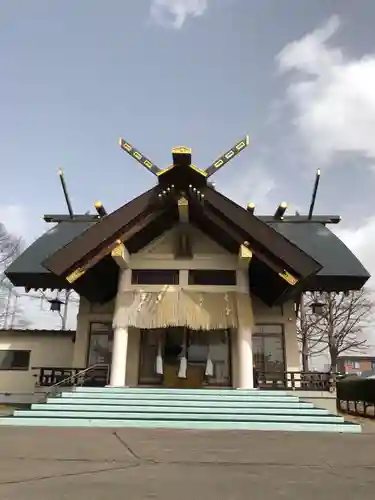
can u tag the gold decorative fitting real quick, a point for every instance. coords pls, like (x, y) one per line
(289, 278)
(202, 172)
(183, 202)
(161, 172)
(77, 273)
(118, 251)
(181, 150)
(245, 252)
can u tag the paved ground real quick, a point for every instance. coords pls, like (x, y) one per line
(97, 464)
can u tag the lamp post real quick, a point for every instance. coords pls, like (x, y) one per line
(55, 305)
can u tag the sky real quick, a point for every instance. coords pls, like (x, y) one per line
(298, 77)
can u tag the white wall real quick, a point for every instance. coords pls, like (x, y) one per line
(48, 348)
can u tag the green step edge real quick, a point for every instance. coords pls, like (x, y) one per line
(178, 416)
(177, 397)
(194, 409)
(178, 403)
(153, 424)
(161, 390)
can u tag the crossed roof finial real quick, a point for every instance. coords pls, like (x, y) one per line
(182, 159)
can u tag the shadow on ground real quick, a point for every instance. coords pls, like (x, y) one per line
(97, 464)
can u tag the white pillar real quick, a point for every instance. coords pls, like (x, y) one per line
(120, 336)
(119, 353)
(245, 379)
(245, 358)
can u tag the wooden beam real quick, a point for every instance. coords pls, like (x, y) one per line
(99, 235)
(82, 269)
(102, 212)
(280, 211)
(262, 236)
(91, 259)
(121, 256)
(244, 255)
(66, 218)
(302, 219)
(251, 207)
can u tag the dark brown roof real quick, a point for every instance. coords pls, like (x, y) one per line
(309, 250)
(149, 215)
(127, 221)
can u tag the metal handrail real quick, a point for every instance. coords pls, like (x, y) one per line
(75, 376)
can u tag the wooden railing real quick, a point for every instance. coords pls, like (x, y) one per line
(99, 376)
(69, 377)
(295, 381)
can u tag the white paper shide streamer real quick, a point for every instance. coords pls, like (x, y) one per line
(159, 358)
(209, 372)
(182, 371)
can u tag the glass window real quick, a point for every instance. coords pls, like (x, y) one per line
(14, 360)
(215, 277)
(268, 349)
(155, 277)
(271, 329)
(100, 347)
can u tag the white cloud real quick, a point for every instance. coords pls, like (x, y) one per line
(173, 13)
(361, 241)
(253, 184)
(332, 95)
(14, 219)
(18, 221)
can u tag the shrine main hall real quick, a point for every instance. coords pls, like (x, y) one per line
(181, 286)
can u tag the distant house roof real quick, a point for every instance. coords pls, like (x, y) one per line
(34, 331)
(356, 357)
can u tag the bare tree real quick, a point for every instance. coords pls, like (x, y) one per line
(10, 247)
(308, 335)
(340, 325)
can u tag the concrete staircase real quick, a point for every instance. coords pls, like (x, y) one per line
(206, 409)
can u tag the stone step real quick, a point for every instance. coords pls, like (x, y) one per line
(220, 403)
(155, 395)
(180, 409)
(185, 392)
(201, 417)
(180, 424)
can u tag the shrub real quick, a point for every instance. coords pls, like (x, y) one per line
(356, 389)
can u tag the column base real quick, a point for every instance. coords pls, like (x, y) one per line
(117, 386)
(247, 388)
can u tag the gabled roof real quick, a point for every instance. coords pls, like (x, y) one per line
(285, 260)
(151, 214)
(143, 212)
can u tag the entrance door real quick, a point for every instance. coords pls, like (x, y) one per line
(174, 351)
(190, 358)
